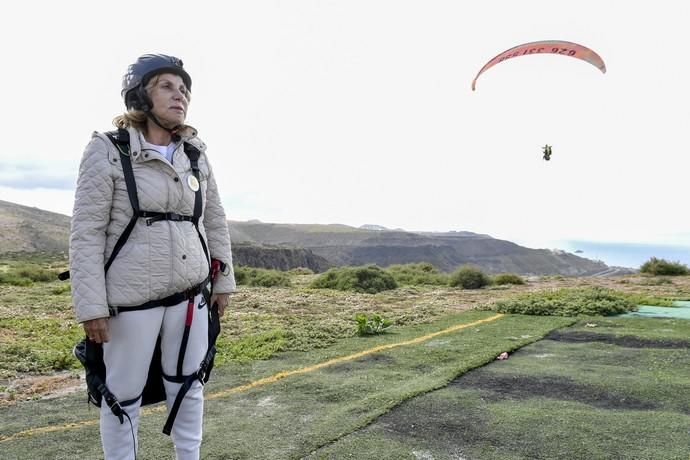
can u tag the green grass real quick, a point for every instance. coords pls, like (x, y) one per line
(267, 330)
(25, 270)
(25, 274)
(259, 323)
(37, 329)
(37, 345)
(656, 329)
(645, 299)
(549, 400)
(296, 415)
(258, 346)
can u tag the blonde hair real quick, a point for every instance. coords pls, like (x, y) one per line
(137, 118)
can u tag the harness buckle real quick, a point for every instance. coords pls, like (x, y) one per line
(112, 403)
(201, 376)
(173, 216)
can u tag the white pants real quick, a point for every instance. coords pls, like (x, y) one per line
(133, 336)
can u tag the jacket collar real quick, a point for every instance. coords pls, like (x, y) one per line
(137, 141)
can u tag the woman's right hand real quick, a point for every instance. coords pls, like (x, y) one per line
(97, 330)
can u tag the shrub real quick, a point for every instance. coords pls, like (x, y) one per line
(261, 277)
(370, 279)
(240, 274)
(594, 301)
(416, 274)
(256, 346)
(24, 274)
(507, 278)
(371, 326)
(469, 277)
(14, 280)
(656, 266)
(301, 271)
(61, 289)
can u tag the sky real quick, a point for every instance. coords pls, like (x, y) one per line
(361, 112)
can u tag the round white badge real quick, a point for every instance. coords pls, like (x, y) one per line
(193, 183)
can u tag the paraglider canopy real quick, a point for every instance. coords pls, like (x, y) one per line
(560, 47)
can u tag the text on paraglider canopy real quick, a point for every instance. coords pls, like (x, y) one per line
(525, 51)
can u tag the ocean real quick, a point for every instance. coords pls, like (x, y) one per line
(630, 255)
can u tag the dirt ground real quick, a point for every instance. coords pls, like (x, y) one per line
(42, 387)
(628, 341)
(519, 387)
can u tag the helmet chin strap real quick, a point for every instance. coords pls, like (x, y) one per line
(172, 131)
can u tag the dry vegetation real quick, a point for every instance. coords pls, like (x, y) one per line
(294, 318)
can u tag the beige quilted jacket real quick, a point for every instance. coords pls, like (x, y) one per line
(157, 260)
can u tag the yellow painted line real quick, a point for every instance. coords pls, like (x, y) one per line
(260, 382)
(47, 429)
(303, 370)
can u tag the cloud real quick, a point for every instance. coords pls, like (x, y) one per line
(43, 176)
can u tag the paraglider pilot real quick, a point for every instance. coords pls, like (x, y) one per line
(547, 152)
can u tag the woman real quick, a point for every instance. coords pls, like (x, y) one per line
(147, 222)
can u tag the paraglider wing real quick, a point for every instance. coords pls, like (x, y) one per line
(546, 47)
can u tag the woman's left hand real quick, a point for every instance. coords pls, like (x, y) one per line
(222, 300)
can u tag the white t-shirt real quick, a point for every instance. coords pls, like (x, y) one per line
(165, 150)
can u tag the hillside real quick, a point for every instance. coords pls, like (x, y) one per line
(26, 229)
(343, 245)
(30, 230)
(275, 257)
(285, 246)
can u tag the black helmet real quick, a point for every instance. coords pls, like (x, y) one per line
(139, 73)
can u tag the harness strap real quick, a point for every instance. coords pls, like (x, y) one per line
(193, 154)
(153, 216)
(202, 374)
(168, 301)
(185, 335)
(121, 142)
(174, 409)
(129, 402)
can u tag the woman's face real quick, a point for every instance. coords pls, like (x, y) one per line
(169, 97)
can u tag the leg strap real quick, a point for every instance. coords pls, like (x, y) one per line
(187, 381)
(186, 385)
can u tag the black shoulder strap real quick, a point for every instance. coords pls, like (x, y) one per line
(193, 154)
(121, 140)
(122, 144)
